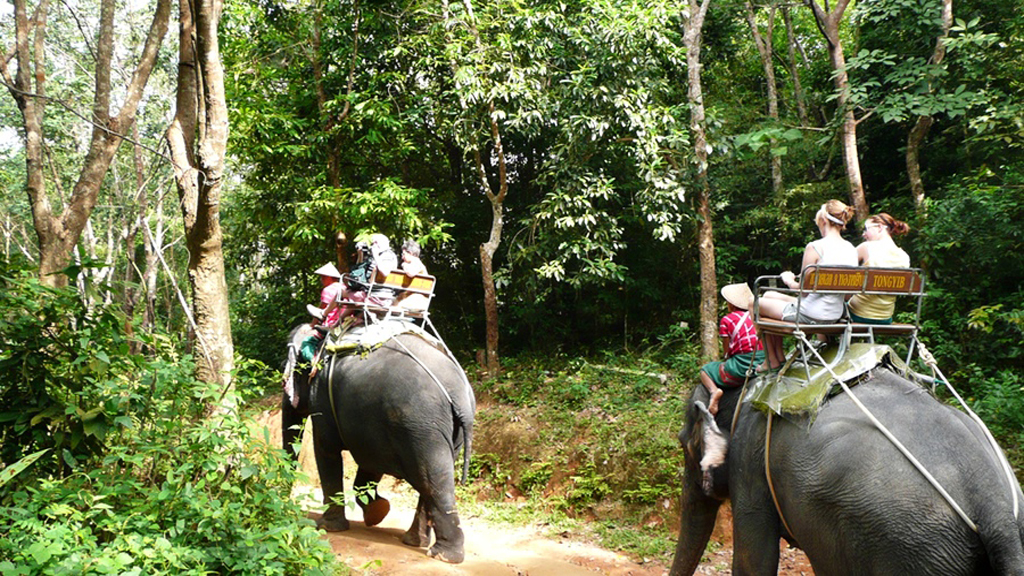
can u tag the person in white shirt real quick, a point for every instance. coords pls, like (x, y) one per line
(831, 249)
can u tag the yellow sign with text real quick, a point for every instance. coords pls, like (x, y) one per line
(862, 280)
(834, 279)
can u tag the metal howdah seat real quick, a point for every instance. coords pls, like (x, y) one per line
(846, 281)
(413, 295)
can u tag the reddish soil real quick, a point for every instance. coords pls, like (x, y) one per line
(496, 549)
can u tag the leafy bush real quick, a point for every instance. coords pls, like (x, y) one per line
(133, 478)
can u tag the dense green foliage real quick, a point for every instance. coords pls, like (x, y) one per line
(128, 475)
(357, 117)
(590, 98)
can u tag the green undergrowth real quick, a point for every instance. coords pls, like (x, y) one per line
(586, 446)
(110, 462)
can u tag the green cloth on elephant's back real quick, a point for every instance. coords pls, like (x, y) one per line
(792, 394)
(365, 339)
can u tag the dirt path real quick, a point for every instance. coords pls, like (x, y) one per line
(491, 549)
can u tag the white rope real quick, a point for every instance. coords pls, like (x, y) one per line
(899, 446)
(928, 359)
(424, 366)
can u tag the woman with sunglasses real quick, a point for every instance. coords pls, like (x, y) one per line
(879, 249)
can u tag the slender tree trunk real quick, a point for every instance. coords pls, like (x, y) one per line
(330, 121)
(924, 123)
(58, 234)
(828, 23)
(914, 139)
(791, 43)
(487, 249)
(764, 49)
(692, 37)
(154, 242)
(198, 139)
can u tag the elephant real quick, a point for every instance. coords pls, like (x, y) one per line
(403, 409)
(837, 488)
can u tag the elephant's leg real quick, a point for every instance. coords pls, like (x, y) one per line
(756, 532)
(291, 427)
(377, 508)
(418, 534)
(327, 448)
(440, 503)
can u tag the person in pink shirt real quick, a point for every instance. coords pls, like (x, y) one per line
(742, 347)
(330, 279)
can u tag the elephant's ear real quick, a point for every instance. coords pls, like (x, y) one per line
(714, 446)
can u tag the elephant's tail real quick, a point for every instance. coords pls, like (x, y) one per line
(1004, 546)
(467, 449)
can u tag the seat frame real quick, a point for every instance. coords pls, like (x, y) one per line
(847, 281)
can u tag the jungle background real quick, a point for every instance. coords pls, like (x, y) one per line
(582, 175)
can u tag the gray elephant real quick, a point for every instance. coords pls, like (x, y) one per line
(403, 409)
(840, 490)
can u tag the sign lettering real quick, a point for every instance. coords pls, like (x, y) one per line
(889, 282)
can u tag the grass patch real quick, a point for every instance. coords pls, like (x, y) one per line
(585, 444)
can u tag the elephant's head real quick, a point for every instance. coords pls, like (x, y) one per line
(705, 477)
(704, 439)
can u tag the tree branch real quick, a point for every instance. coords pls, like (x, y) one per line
(94, 124)
(155, 37)
(85, 36)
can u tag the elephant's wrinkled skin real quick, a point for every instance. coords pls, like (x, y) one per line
(394, 419)
(855, 505)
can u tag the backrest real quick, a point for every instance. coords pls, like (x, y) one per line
(400, 281)
(859, 280)
(413, 293)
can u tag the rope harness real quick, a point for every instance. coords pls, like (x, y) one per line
(929, 360)
(334, 356)
(899, 445)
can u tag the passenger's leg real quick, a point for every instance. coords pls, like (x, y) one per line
(714, 391)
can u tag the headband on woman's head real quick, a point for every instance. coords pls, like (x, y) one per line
(830, 217)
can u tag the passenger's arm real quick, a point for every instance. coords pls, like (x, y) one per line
(811, 256)
(862, 253)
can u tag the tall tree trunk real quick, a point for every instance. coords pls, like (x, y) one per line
(58, 234)
(487, 249)
(924, 123)
(497, 199)
(154, 242)
(198, 139)
(791, 44)
(330, 121)
(828, 23)
(692, 37)
(914, 139)
(764, 49)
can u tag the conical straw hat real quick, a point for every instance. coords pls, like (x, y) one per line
(328, 270)
(739, 295)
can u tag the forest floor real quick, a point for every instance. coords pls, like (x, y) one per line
(494, 548)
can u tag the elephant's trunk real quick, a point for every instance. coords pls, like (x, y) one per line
(698, 520)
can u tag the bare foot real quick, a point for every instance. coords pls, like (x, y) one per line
(713, 404)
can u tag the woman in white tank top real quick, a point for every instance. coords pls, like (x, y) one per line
(832, 250)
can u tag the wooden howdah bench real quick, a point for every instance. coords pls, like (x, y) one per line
(413, 294)
(847, 281)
